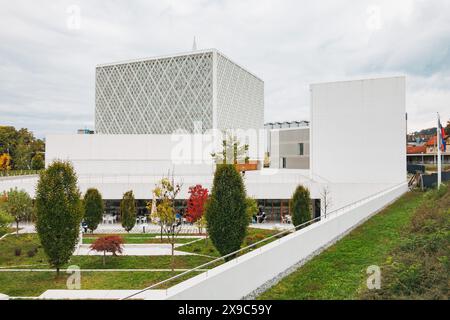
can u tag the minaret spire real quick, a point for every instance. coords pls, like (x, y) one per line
(194, 45)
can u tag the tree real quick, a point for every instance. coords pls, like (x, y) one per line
(165, 193)
(112, 244)
(128, 211)
(22, 156)
(232, 151)
(252, 208)
(300, 206)
(93, 208)
(196, 205)
(19, 205)
(226, 210)
(5, 221)
(8, 137)
(58, 212)
(21, 145)
(5, 162)
(326, 200)
(37, 162)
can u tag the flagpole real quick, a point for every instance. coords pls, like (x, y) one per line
(438, 143)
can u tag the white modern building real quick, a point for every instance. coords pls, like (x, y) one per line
(355, 145)
(358, 131)
(193, 92)
(289, 147)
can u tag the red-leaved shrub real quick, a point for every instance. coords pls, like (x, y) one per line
(112, 244)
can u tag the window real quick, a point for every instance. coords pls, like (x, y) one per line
(300, 149)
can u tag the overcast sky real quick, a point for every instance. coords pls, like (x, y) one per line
(49, 49)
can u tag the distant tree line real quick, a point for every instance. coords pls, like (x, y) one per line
(25, 152)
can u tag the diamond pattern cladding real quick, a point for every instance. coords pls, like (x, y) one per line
(155, 96)
(240, 97)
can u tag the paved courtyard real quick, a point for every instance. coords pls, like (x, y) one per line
(107, 228)
(135, 250)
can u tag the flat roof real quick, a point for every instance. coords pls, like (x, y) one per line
(358, 79)
(180, 54)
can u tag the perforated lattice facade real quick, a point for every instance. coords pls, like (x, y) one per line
(240, 97)
(161, 95)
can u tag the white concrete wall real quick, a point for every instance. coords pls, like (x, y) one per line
(132, 154)
(239, 277)
(358, 131)
(264, 184)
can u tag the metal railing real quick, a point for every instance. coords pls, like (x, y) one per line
(278, 235)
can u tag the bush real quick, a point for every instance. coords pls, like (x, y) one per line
(128, 211)
(419, 267)
(37, 162)
(226, 210)
(19, 205)
(31, 253)
(93, 208)
(58, 212)
(112, 244)
(5, 221)
(300, 206)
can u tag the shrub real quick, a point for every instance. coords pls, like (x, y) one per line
(111, 244)
(196, 206)
(226, 210)
(128, 211)
(19, 205)
(5, 220)
(252, 208)
(31, 253)
(37, 162)
(58, 212)
(300, 206)
(93, 208)
(419, 267)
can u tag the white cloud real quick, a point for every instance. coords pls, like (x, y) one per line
(47, 70)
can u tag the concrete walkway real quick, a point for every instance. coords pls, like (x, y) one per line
(271, 226)
(135, 250)
(102, 294)
(101, 270)
(116, 228)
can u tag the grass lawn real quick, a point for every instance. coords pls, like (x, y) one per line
(25, 283)
(35, 283)
(30, 284)
(28, 242)
(207, 248)
(340, 271)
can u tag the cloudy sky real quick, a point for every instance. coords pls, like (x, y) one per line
(49, 49)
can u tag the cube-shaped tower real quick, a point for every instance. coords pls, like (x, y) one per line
(193, 91)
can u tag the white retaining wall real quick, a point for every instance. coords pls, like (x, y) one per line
(239, 277)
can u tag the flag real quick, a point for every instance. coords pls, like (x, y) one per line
(442, 134)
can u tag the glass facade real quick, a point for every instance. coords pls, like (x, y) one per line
(274, 208)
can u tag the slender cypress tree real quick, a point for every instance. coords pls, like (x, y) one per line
(300, 206)
(58, 212)
(226, 210)
(93, 208)
(128, 211)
